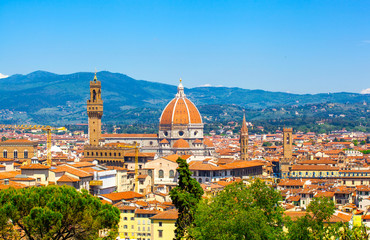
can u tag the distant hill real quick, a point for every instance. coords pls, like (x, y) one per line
(48, 98)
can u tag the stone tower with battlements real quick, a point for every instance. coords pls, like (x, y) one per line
(287, 142)
(95, 111)
(244, 141)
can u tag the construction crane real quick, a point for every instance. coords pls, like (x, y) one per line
(48, 130)
(136, 147)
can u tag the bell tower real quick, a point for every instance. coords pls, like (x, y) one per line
(287, 142)
(95, 111)
(244, 141)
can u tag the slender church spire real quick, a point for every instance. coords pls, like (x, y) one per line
(244, 140)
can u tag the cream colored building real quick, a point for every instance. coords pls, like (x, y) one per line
(164, 171)
(38, 172)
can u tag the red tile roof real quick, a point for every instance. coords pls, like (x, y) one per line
(35, 166)
(66, 178)
(166, 215)
(122, 195)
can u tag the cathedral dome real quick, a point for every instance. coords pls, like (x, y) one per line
(181, 143)
(180, 110)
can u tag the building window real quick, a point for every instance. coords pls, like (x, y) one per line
(160, 224)
(160, 174)
(160, 233)
(150, 173)
(125, 226)
(15, 154)
(5, 154)
(172, 174)
(25, 154)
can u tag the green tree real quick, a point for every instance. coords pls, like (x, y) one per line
(266, 144)
(312, 225)
(54, 212)
(240, 212)
(185, 197)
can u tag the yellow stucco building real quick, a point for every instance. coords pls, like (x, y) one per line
(163, 225)
(135, 223)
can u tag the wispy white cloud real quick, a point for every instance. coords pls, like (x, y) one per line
(365, 91)
(366, 41)
(206, 85)
(3, 76)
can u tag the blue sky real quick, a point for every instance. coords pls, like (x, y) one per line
(290, 46)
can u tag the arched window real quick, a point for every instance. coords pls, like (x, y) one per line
(200, 180)
(207, 180)
(25, 154)
(15, 154)
(5, 154)
(172, 174)
(160, 174)
(94, 95)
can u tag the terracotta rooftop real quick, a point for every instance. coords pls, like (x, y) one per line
(66, 178)
(145, 211)
(11, 184)
(166, 215)
(181, 143)
(122, 195)
(314, 168)
(164, 141)
(127, 135)
(35, 166)
(180, 111)
(71, 170)
(6, 160)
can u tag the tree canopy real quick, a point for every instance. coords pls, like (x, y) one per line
(53, 212)
(185, 197)
(240, 212)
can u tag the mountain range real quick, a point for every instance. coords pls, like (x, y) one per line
(47, 98)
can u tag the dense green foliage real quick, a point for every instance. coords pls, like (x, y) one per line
(240, 212)
(253, 212)
(53, 212)
(185, 196)
(315, 225)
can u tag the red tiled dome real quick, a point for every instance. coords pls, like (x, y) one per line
(180, 110)
(181, 143)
